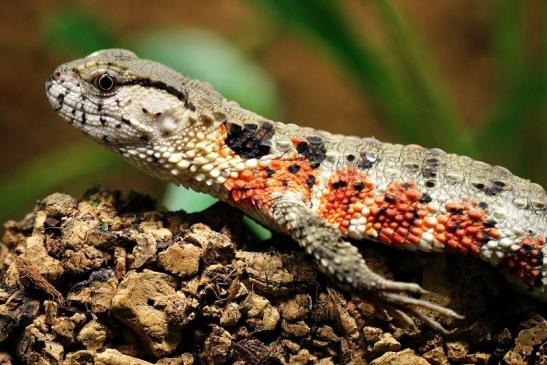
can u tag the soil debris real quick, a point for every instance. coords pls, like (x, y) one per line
(110, 281)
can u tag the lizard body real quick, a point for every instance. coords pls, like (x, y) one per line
(315, 186)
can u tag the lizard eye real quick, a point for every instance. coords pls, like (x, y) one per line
(104, 82)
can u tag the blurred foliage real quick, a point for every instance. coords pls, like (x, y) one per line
(77, 31)
(45, 174)
(405, 83)
(401, 78)
(203, 55)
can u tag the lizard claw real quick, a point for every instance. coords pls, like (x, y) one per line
(398, 286)
(403, 307)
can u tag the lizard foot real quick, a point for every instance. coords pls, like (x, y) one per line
(405, 308)
(343, 263)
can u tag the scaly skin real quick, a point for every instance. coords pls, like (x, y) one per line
(312, 185)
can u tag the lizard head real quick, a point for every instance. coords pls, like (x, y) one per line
(141, 109)
(120, 100)
(161, 121)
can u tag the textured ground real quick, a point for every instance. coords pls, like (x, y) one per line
(106, 280)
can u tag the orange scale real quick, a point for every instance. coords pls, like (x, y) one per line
(442, 219)
(275, 165)
(474, 250)
(413, 239)
(408, 216)
(453, 244)
(401, 209)
(239, 184)
(402, 231)
(494, 233)
(466, 242)
(236, 195)
(398, 239)
(413, 195)
(386, 231)
(415, 231)
(422, 213)
(474, 214)
(479, 236)
(228, 185)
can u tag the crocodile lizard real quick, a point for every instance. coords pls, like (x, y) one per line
(317, 187)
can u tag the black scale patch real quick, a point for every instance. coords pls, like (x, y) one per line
(368, 159)
(251, 141)
(314, 150)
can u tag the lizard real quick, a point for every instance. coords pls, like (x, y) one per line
(324, 190)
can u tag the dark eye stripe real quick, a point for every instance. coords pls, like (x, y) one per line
(158, 85)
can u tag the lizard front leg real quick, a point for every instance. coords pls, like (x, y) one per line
(342, 262)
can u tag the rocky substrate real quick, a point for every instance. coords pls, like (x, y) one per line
(107, 280)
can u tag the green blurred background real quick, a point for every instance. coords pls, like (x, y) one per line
(469, 76)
